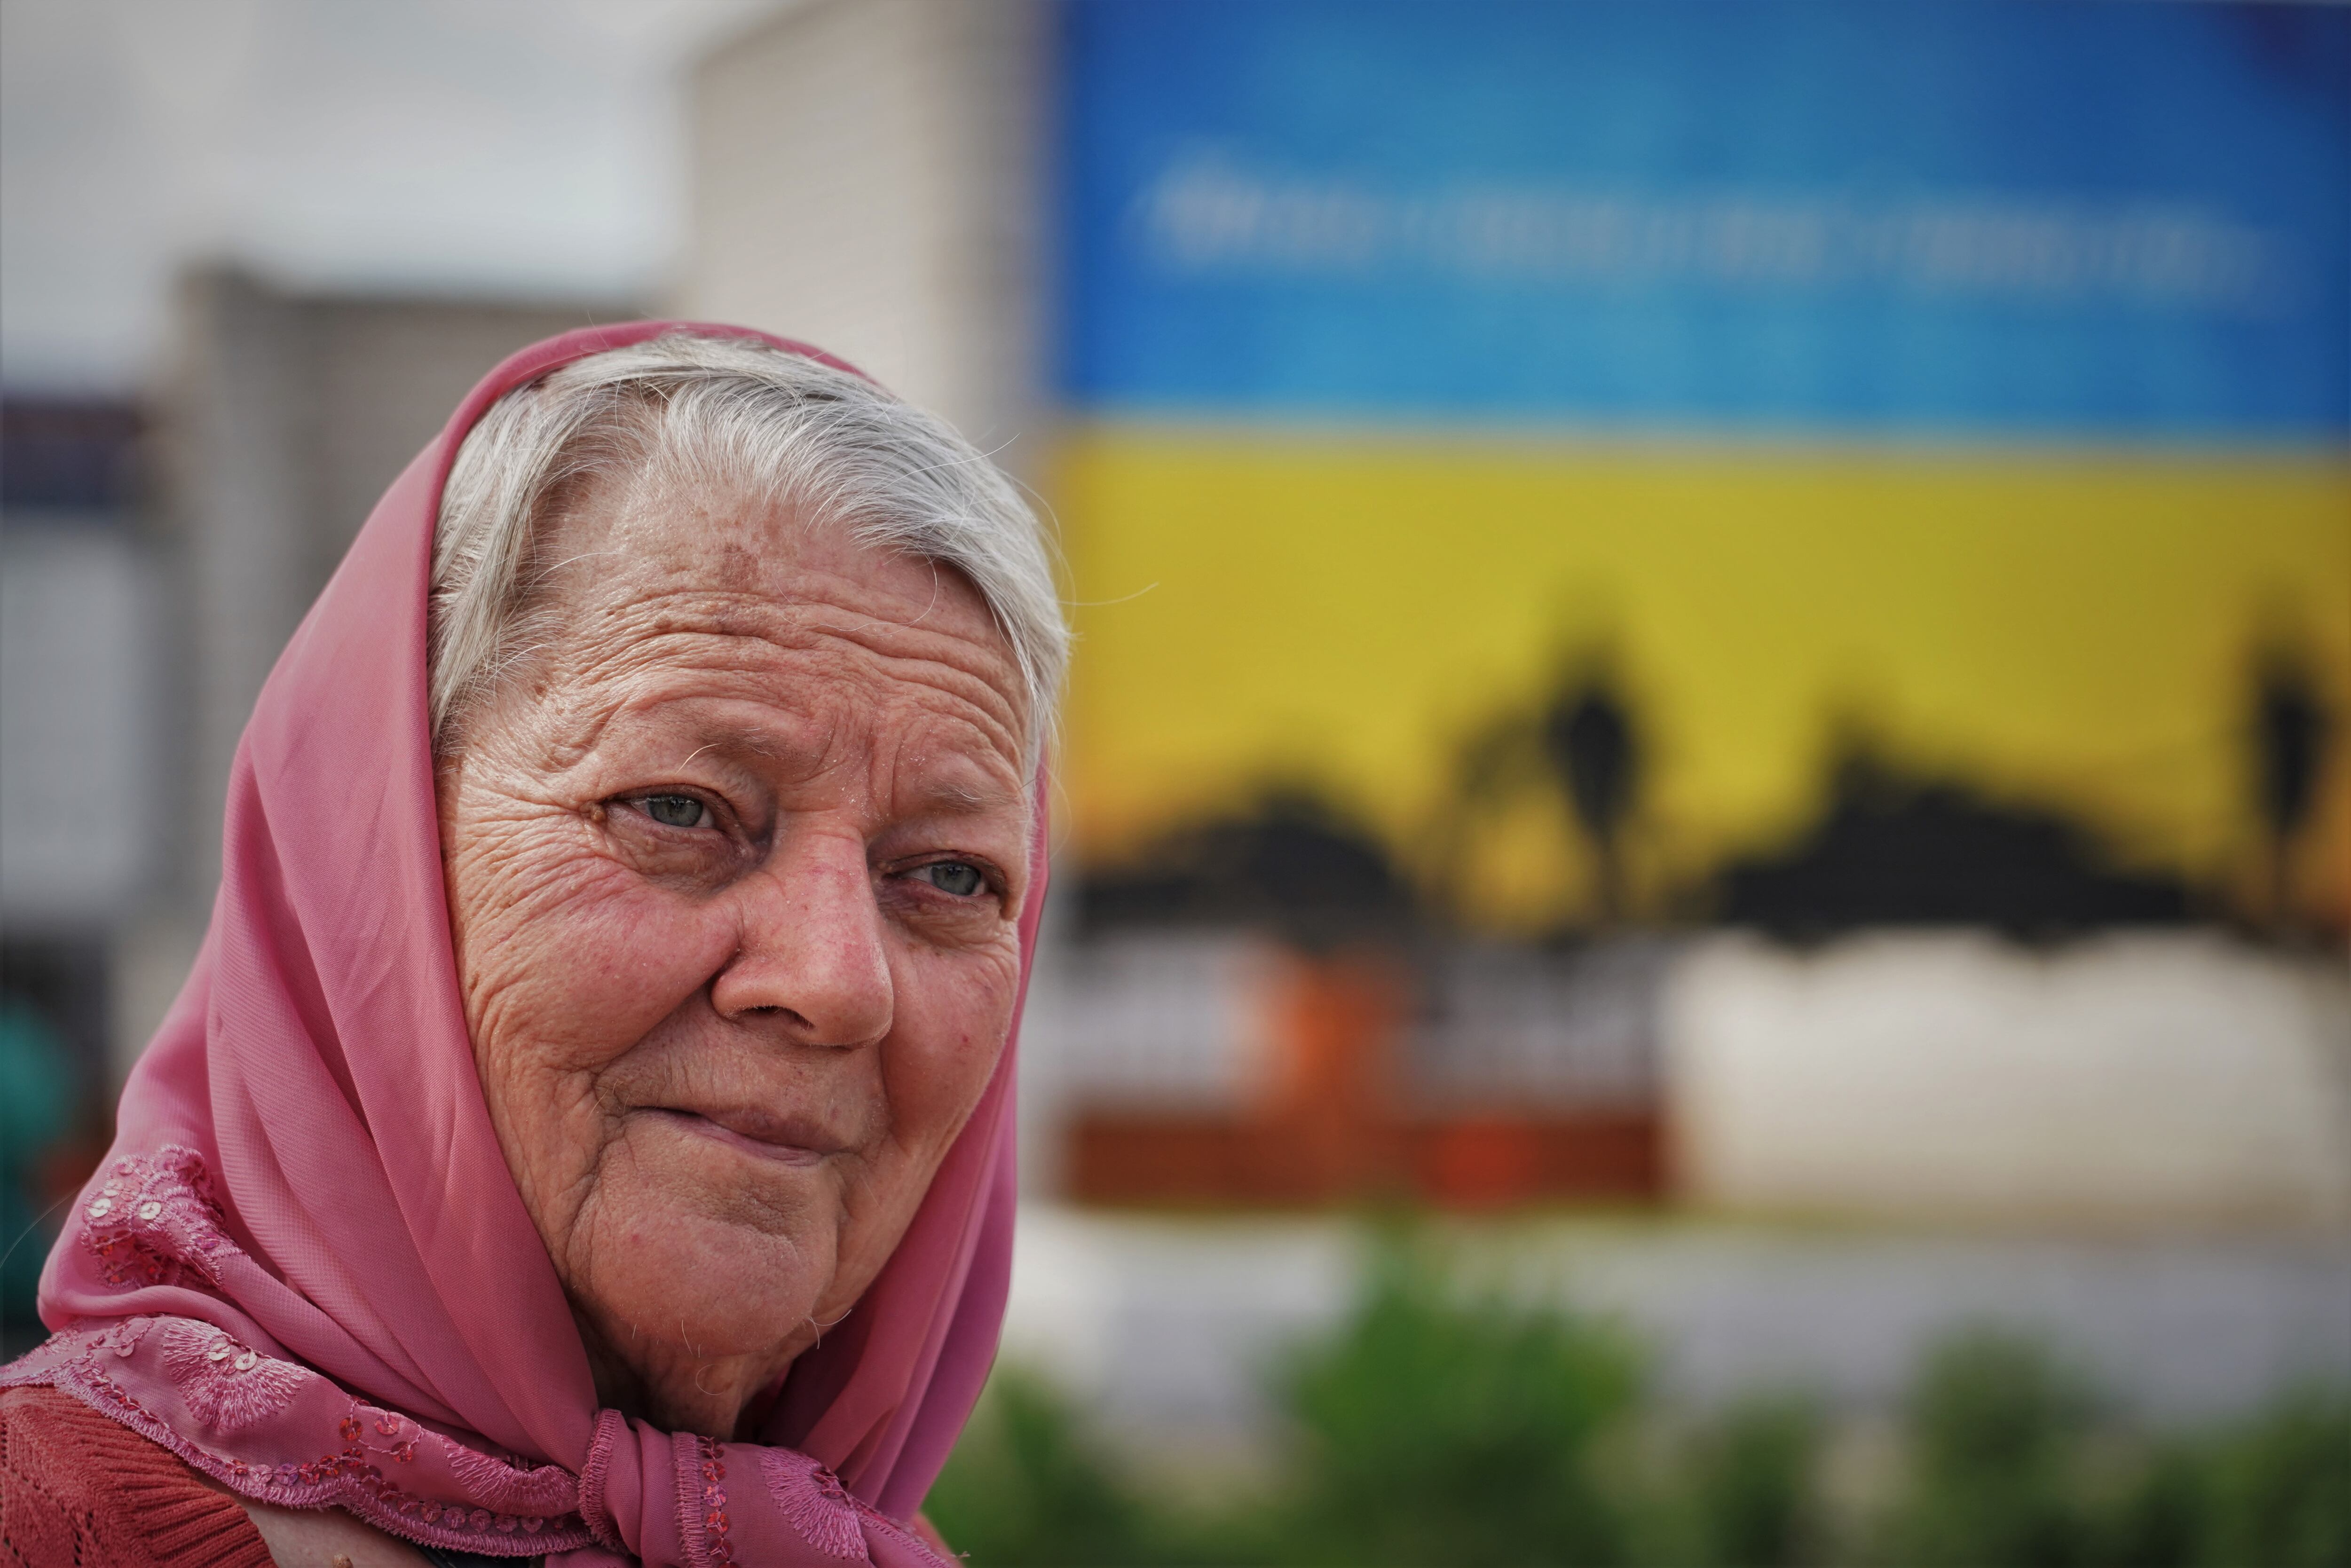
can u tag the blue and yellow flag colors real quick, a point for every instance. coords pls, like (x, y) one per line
(1974, 376)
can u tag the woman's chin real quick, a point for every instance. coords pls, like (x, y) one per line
(718, 1275)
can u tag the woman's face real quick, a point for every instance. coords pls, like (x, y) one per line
(735, 862)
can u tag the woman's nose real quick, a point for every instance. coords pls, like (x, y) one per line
(811, 957)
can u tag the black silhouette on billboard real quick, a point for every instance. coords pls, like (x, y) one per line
(1887, 845)
(1893, 848)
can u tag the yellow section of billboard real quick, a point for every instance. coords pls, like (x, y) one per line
(2074, 630)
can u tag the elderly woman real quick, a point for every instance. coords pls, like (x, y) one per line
(586, 1132)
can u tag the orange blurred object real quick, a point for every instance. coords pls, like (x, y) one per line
(1331, 1127)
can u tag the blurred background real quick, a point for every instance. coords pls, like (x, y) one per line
(1703, 841)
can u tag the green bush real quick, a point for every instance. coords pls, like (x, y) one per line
(2155, 1516)
(1435, 1429)
(2279, 1494)
(1747, 1494)
(1999, 1443)
(1028, 1487)
(1994, 1433)
(1438, 1429)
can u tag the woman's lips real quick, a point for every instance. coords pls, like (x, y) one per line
(787, 1140)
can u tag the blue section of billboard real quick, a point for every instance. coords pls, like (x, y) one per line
(1971, 216)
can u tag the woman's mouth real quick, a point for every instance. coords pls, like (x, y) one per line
(786, 1140)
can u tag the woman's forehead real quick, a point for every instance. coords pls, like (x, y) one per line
(634, 545)
(776, 637)
(718, 537)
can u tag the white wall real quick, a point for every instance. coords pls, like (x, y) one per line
(529, 147)
(864, 177)
(1165, 1328)
(2165, 1079)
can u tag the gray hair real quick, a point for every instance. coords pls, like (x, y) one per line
(735, 411)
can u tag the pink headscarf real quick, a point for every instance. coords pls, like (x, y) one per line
(304, 1267)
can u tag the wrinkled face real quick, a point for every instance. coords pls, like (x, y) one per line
(735, 868)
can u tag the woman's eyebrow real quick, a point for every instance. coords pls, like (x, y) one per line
(739, 751)
(739, 740)
(959, 797)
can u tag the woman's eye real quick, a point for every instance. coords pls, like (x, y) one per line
(958, 877)
(676, 810)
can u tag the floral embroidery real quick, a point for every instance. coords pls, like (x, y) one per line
(812, 1497)
(228, 1386)
(155, 1221)
(510, 1487)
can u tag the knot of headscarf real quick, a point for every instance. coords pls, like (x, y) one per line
(304, 1268)
(717, 1488)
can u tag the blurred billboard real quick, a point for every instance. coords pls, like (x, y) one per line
(1586, 458)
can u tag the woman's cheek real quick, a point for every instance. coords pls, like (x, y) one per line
(956, 1011)
(608, 956)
